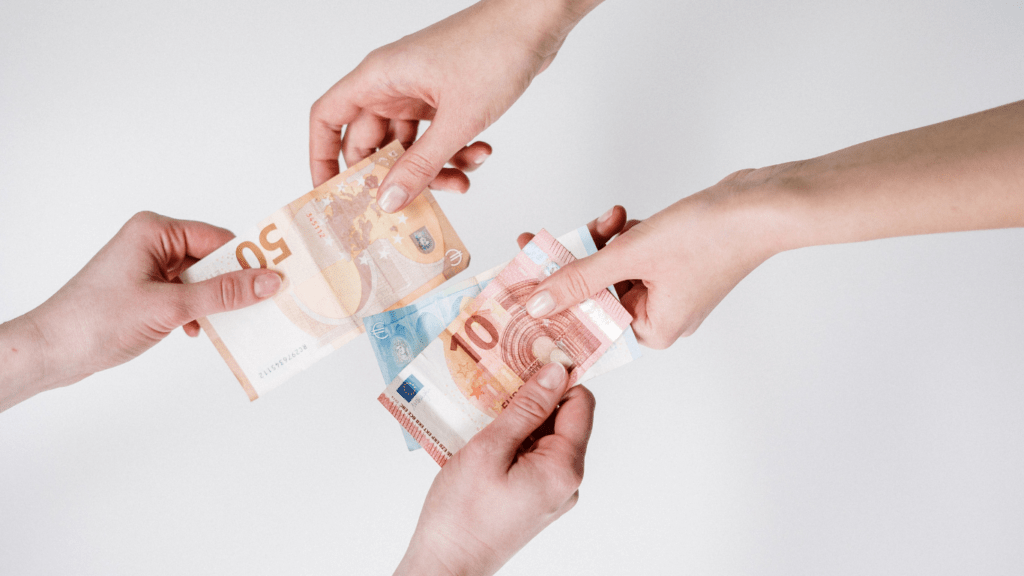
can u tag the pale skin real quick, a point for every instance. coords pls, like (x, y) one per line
(124, 301)
(461, 74)
(507, 484)
(675, 267)
(510, 481)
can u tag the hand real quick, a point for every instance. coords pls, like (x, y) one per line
(462, 74)
(125, 300)
(672, 269)
(508, 483)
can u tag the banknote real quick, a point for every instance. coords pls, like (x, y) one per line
(341, 259)
(467, 375)
(398, 336)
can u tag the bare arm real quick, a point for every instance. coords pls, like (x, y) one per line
(964, 174)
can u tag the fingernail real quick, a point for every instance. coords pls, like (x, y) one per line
(551, 376)
(480, 160)
(392, 199)
(266, 285)
(442, 190)
(540, 305)
(604, 217)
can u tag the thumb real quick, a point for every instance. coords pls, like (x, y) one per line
(579, 280)
(421, 163)
(227, 292)
(532, 405)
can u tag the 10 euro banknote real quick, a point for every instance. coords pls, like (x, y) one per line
(467, 375)
(398, 336)
(341, 258)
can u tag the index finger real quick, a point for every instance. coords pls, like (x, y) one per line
(328, 115)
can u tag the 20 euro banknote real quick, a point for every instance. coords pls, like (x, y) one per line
(341, 259)
(398, 336)
(466, 376)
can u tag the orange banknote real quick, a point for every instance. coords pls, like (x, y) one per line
(341, 258)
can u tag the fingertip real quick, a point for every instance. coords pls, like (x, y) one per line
(552, 376)
(191, 329)
(451, 180)
(266, 285)
(393, 199)
(524, 239)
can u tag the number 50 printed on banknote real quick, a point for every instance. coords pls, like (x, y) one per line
(341, 259)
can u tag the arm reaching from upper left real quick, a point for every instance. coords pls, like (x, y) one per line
(513, 479)
(125, 300)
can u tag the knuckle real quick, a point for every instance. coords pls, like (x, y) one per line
(231, 293)
(575, 284)
(419, 166)
(316, 110)
(530, 408)
(142, 219)
(562, 482)
(737, 174)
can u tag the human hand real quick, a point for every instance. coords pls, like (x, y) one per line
(508, 483)
(461, 74)
(672, 269)
(125, 300)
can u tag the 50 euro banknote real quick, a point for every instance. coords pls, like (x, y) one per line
(466, 376)
(397, 336)
(341, 258)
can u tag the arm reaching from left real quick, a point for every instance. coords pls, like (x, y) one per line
(125, 300)
(507, 484)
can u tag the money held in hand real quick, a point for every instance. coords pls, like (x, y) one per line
(341, 258)
(465, 377)
(397, 336)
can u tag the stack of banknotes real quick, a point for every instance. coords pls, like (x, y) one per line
(451, 360)
(398, 336)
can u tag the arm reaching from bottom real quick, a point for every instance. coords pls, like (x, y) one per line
(507, 484)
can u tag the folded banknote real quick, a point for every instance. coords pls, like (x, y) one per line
(341, 259)
(467, 375)
(398, 336)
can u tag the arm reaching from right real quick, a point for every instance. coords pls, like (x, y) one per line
(963, 174)
(462, 74)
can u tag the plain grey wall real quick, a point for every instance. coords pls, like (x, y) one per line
(846, 410)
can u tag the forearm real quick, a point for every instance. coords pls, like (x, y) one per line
(963, 174)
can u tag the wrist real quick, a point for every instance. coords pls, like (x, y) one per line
(23, 354)
(420, 560)
(439, 556)
(543, 25)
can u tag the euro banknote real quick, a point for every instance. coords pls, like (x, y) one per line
(341, 258)
(398, 336)
(467, 375)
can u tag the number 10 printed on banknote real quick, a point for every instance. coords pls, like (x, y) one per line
(341, 258)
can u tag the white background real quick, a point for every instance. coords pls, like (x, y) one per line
(852, 409)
